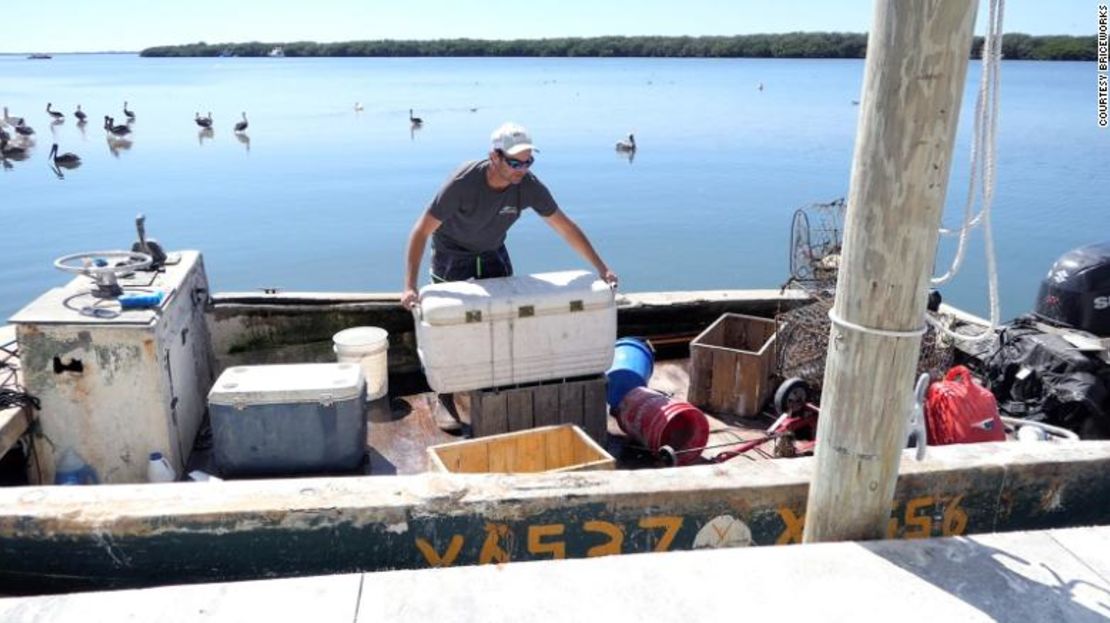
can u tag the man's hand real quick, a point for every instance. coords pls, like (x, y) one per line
(609, 277)
(409, 298)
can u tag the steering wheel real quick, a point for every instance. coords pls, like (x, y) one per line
(100, 267)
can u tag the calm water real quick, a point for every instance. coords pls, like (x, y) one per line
(322, 198)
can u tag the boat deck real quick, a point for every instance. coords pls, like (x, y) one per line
(400, 435)
(398, 443)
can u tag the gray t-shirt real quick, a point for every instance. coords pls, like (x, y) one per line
(476, 217)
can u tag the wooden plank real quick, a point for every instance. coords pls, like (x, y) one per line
(545, 405)
(520, 410)
(701, 375)
(530, 453)
(502, 454)
(496, 414)
(595, 410)
(581, 451)
(473, 401)
(489, 416)
(570, 403)
(724, 382)
(397, 446)
(473, 459)
(558, 452)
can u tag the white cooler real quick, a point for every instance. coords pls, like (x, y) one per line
(510, 330)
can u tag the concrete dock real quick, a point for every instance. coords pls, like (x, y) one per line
(1058, 575)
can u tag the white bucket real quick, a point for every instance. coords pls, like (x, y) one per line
(368, 347)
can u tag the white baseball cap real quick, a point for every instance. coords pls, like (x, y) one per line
(512, 139)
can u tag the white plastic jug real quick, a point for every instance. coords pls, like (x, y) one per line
(158, 469)
(368, 347)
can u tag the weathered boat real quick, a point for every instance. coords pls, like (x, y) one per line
(68, 538)
(84, 537)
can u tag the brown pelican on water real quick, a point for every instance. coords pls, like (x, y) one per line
(118, 130)
(23, 129)
(204, 122)
(242, 125)
(12, 121)
(53, 113)
(627, 146)
(127, 113)
(415, 120)
(64, 160)
(80, 114)
(11, 151)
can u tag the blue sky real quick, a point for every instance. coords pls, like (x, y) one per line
(84, 25)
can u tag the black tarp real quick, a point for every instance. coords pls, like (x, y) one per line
(1040, 376)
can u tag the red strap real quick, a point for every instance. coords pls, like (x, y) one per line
(959, 373)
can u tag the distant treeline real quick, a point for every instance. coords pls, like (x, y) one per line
(1015, 46)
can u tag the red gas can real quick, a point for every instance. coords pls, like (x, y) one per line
(958, 410)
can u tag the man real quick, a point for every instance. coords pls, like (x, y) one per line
(470, 216)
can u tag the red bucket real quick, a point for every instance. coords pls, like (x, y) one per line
(655, 420)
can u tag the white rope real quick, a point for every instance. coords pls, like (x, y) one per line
(982, 168)
(883, 332)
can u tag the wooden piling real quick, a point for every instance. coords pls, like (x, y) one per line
(915, 71)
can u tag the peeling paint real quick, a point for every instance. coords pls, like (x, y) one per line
(397, 528)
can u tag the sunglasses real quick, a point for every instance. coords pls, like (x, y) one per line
(514, 163)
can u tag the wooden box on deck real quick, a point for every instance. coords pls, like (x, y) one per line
(572, 401)
(731, 363)
(561, 448)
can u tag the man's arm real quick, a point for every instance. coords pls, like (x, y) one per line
(425, 226)
(578, 241)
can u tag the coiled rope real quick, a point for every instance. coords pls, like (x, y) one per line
(982, 169)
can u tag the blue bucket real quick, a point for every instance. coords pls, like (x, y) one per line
(633, 361)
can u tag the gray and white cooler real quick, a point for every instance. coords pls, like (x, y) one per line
(513, 330)
(290, 418)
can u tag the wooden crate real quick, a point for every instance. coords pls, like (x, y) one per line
(731, 363)
(571, 401)
(562, 448)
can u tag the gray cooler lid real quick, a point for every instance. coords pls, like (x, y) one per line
(287, 383)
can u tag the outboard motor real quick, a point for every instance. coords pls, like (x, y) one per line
(1076, 292)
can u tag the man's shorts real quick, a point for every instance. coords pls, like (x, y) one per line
(460, 266)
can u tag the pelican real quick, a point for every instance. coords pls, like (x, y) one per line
(127, 113)
(242, 125)
(66, 159)
(415, 120)
(358, 106)
(24, 129)
(80, 114)
(12, 121)
(627, 146)
(118, 130)
(53, 113)
(204, 122)
(11, 151)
